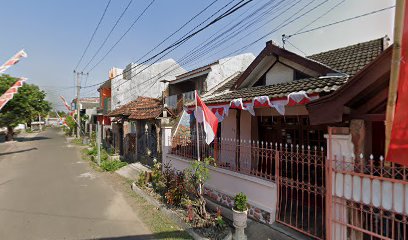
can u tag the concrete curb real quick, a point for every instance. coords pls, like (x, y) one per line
(172, 215)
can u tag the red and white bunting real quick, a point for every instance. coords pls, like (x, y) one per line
(12, 61)
(65, 103)
(294, 98)
(9, 94)
(220, 111)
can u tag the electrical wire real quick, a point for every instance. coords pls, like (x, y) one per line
(123, 35)
(109, 34)
(93, 35)
(342, 21)
(321, 16)
(177, 43)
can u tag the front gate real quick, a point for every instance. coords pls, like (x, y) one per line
(301, 191)
(147, 147)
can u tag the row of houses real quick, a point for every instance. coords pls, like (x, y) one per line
(301, 136)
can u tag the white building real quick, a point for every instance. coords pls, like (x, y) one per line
(141, 80)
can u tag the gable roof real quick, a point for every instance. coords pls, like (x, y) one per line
(349, 59)
(352, 58)
(271, 49)
(364, 94)
(190, 74)
(139, 103)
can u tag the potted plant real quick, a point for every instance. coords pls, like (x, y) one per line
(240, 210)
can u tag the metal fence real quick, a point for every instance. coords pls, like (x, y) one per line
(367, 198)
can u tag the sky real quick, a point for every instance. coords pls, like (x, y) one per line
(55, 33)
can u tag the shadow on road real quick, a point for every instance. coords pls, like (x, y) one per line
(19, 151)
(29, 139)
(162, 235)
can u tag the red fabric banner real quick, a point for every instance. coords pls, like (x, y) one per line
(398, 148)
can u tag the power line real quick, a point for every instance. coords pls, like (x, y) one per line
(179, 29)
(179, 41)
(319, 17)
(177, 44)
(287, 41)
(93, 34)
(173, 66)
(341, 21)
(165, 73)
(109, 34)
(123, 35)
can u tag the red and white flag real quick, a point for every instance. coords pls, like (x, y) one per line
(65, 103)
(207, 117)
(9, 94)
(12, 61)
(398, 147)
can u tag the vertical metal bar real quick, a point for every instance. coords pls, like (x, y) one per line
(277, 181)
(329, 189)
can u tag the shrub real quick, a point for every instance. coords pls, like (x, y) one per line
(92, 152)
(177, 189)
(111, 166)
(198, 174)
(240, 202)
(141, 181)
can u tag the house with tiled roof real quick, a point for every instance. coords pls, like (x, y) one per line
(138, 124)
(268, 145)
(180, 90)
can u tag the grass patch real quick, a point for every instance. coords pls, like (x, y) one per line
(111, 166)
(77, 141)
(161, 226)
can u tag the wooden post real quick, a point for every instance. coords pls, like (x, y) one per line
(395, 66)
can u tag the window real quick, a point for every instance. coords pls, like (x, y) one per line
(299, 75)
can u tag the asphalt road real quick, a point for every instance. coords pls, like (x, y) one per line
(48, 192)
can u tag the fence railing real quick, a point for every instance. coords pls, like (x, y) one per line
(255, 158)
(369, 198)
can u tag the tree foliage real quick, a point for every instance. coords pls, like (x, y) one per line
(26, 105)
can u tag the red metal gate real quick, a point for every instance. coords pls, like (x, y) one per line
(301, 191)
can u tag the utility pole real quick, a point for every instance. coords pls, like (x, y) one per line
(78, 103)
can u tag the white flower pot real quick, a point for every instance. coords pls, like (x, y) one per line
(239, 218)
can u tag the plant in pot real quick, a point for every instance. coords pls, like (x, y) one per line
(240, 211)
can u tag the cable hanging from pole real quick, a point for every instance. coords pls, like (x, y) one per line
(93, 35)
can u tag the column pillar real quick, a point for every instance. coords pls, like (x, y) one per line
(340, 148)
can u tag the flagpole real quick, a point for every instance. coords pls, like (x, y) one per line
(198, 139)
(395, 65)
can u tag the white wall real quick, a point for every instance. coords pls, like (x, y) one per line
(228, 131)
(245, 134)
(117, 83)
(144, 81)
(261, 193)
(279, 74)
(227, 67)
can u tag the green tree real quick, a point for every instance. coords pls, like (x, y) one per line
(27, 104)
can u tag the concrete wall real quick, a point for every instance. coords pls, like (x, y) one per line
(261, 194)
(245, 134)
(279, 74)
(116, 85)
(227, 67)
(143, 81)
(228, 131)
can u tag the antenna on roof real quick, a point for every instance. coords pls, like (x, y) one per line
(284, 39)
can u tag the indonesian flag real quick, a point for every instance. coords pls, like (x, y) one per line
(9, 94)
(398, 147)
(207, 117)
(12, 61)
(65, 103)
